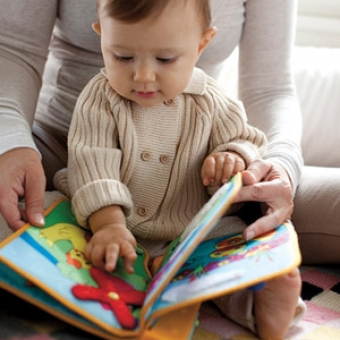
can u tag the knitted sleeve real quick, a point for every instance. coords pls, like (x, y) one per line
(230, 130)
(94, 152)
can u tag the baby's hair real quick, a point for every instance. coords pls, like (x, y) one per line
(136, 10)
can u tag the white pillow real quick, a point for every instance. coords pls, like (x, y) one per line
(317, 76)
(317, 71)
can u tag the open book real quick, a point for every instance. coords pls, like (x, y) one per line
(46, 266)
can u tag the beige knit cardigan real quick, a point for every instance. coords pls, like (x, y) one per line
(148, 160)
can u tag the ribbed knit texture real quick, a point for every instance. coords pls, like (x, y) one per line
(148, 160)
(262, 29)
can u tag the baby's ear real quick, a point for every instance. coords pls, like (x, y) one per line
(96, 27)
(207, 36)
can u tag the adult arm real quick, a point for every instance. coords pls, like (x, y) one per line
(266, 87)
(264, 31)
(25, 33)
(266, 80)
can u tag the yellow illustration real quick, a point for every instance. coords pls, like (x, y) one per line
(65, 231)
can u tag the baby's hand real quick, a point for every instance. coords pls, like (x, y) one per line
(219, 167)
(108, 244)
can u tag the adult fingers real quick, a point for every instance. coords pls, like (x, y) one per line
(274, 191)
(277, 196)
(22, 175)
(259, 192)
(10, 211)
(275, 185)
(11, 187)
(268, 222)
(256, 172)
(34, 197)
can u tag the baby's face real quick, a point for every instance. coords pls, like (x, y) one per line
(151, 61)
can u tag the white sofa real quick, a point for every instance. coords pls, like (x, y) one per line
(317, 75)
(316, 62)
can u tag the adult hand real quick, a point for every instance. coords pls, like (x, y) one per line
(268, 183)
(21, 175)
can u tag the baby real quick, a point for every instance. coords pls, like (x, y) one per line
(152, 136)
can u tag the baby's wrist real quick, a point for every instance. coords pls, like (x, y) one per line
(110, 216)
(113, 226)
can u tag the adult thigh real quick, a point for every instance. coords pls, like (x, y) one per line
(316, 215)
(53, 149)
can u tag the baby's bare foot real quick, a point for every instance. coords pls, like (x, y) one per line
(275, 305)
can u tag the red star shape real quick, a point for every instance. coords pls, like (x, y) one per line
(114, 292)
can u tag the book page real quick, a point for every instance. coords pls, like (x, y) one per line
(194, 234)
(222, 265)
(52, 258)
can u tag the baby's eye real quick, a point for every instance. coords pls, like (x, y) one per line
(124, 58)
(166, 60)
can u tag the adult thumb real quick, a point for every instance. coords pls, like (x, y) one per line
(255, 172)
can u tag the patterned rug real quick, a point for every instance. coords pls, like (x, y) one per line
(321, 291)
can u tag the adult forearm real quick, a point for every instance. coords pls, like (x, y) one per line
(280, 119)
(18, 97)
(19, 90)
(288, 156)
(25, 34)
(266, 80)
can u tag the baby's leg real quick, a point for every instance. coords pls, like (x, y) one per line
(268, 312)
(275, 305)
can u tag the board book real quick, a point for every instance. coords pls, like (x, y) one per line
(47, 267)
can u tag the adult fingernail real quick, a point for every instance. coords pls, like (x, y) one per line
(39, 219)
(250, 235)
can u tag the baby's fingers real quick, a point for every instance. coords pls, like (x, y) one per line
(98, 256)
(111, 257)
(232, 165)
(208, 171)
(128, 253)
(221, 166)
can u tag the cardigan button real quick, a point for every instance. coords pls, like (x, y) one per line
(168, 102)
(146, 156)
(164, 159)
(141, 211)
